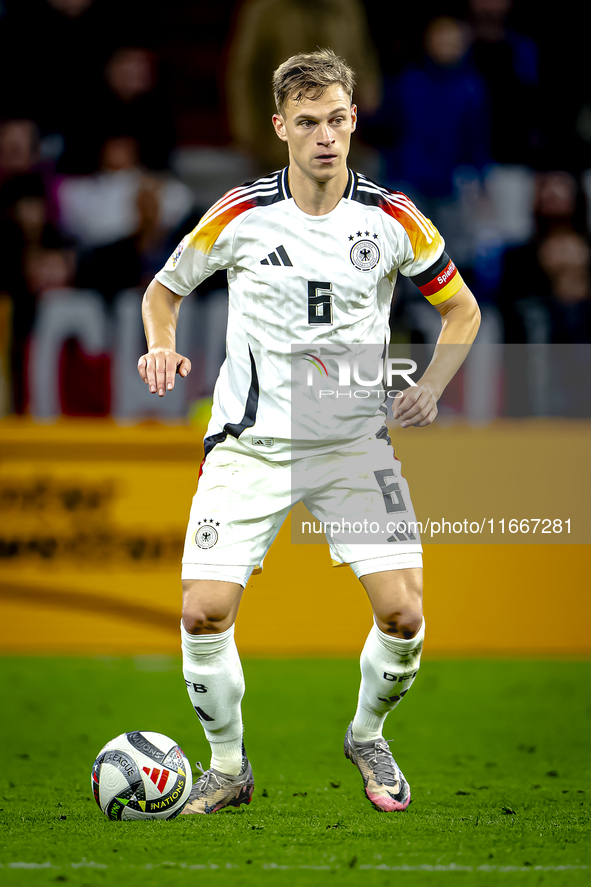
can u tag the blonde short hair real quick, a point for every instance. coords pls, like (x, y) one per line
(310, 74)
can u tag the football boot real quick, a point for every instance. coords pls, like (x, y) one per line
(383, 782)
(213, 790)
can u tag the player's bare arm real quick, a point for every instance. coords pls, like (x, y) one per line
(158, 367)
(460, 317)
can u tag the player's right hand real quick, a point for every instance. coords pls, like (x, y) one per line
(158, 369)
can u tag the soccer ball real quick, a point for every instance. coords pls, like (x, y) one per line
(141, 776)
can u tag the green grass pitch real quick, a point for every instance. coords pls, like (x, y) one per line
(496, 752)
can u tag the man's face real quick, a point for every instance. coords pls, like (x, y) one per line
(318, 132)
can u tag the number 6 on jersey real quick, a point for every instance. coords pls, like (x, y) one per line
(319, 302)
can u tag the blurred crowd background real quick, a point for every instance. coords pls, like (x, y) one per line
(121, 122)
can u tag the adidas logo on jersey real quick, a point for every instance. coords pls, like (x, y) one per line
(263, 441)
(278, 257)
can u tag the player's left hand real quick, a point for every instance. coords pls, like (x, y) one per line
(416, 405)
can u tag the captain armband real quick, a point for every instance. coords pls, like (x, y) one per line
(439, 282)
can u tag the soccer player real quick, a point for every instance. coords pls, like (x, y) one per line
(312, 253)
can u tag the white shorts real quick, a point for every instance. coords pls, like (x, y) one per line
(356, 492)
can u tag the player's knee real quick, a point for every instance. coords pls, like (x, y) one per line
(405, 619)
(409, 622)
(196, 622)
(404, 622)
(198, 619)
(209, 607)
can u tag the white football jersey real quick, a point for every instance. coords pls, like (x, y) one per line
(310, 281)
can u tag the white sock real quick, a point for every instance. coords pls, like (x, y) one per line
(215, 683)
(388, 667)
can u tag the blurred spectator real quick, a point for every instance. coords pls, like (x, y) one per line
(25, 228)
(582, 131)
(586, 181)
(509, 63)
(20, 155)
(128, 103)
(552, 380)
(19, 147)
(559, 202)
(71, 8)
(54, 69)
(559, 211)
(49, 266)
(133, 260)
(34, 257)
(102, 208)
(133, 104)
(433, 128)
(53, 54)
(565, 259)
(266, 33)
(434, 117)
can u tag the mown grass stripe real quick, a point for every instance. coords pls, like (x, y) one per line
(273, 866)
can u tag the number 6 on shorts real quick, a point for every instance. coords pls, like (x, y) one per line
(391, 492)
